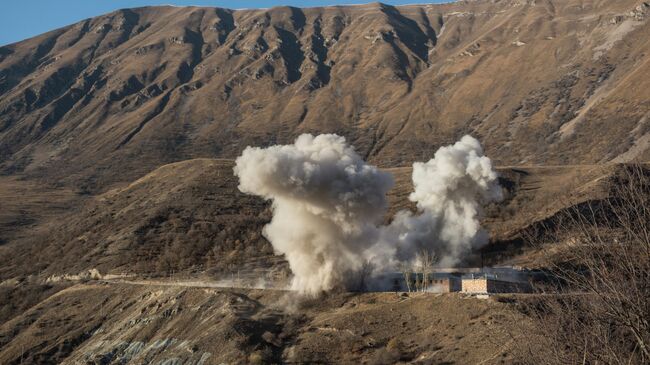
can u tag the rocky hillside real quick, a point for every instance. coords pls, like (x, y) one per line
(117, 139)
(111, 98)
(182, 216)
(100, 323)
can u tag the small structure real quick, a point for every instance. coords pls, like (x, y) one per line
(445, 283)
(489, 285)
(467, 280)
(439, 282)
(497, 280)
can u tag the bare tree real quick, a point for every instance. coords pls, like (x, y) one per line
(405, 269)
(426, 259)
(364, 274)
(598, 309)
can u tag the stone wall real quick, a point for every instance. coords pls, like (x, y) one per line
(475, 285)
(483, 285)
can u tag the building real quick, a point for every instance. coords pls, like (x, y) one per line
(445, 283)
(485, 284)
(466, 280)
(497, 280)
(492, 280)
(440, 282)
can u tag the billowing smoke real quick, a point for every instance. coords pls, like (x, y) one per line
(328, 205)
(449, 191)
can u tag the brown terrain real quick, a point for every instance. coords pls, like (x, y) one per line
(185, 225)
(117, 139)
(538, 82)
(181, 325)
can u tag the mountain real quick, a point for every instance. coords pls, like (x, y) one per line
(117, 133)
(111, 98)
(119, 210)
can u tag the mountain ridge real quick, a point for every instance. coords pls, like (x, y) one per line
(108, 99)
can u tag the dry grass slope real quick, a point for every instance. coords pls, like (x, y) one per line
(190, 217)
(155, 324)
(111, 98)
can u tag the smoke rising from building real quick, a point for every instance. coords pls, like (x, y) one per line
(328, 205)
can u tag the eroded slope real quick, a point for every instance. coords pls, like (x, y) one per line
(111, 98)
(114, 323)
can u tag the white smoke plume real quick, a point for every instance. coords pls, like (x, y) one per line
(449, 191)
(328, 205)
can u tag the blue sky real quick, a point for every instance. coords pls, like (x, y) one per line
(21, 19)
